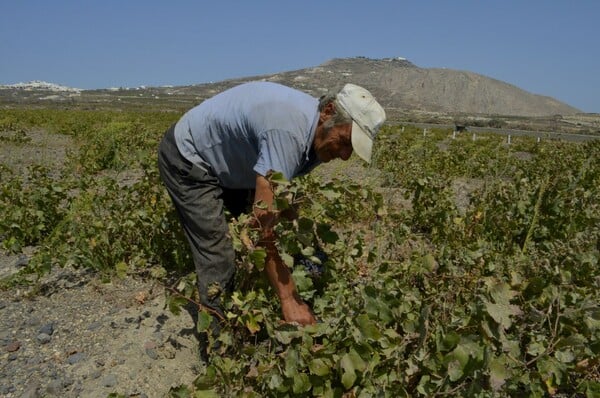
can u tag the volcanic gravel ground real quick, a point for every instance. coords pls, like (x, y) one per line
(80, 337)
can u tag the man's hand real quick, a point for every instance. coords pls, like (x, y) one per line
(295, 310)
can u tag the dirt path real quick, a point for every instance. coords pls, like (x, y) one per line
(40, 148)
(83, 338)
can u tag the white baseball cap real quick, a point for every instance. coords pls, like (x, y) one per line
(367, 117)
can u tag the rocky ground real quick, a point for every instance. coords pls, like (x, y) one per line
(80, 337)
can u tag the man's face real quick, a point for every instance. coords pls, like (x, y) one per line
(333, 141)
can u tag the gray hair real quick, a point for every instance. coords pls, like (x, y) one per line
(340, 116)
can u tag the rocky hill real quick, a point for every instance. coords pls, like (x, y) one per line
(399, 84)
(396, 82)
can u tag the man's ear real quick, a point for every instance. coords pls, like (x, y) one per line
(327, 112)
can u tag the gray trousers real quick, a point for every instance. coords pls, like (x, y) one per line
(201, 202)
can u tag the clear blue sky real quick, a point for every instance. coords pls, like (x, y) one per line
(549, 47)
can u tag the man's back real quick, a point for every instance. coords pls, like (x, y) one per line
(252, 128)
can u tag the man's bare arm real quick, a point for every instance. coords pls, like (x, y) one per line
(292, 306)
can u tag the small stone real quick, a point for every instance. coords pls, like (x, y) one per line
(54, 387)
(21, 261)
(96, 374)
(76, 357)
(158, 336)
(151, 352)
(13, 346)
(43, 338)
(47, 329)
(94, 325)
(31, 392)
(169, 352)
(34, 361)
(149, 345)
(12, 356)
(110, 381)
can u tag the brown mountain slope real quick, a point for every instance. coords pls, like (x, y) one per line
(399, 84)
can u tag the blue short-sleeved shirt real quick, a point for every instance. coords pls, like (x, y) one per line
(252, 128)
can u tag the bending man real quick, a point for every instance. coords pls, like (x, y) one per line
(218, 156)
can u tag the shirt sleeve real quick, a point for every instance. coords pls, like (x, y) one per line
(279, 150)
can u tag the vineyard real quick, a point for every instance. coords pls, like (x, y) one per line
(456, 266)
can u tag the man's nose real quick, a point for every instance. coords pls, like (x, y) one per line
(345, 153)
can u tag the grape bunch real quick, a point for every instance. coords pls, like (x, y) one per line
(313, 268)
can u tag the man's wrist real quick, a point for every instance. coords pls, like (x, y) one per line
(267, 236)
(286, 297)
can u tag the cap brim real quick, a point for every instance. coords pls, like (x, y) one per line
(361, 142)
